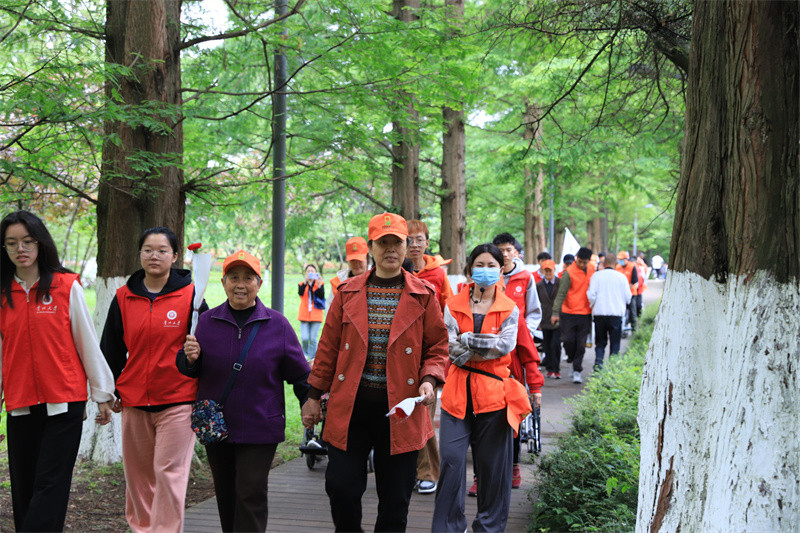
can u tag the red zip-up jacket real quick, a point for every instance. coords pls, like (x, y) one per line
(151, 332)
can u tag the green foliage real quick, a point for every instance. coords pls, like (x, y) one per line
(590, 482)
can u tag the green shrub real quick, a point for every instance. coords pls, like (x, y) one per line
(590, 482)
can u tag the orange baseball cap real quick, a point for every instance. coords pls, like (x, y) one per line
(623, 255)
(241, 258)
(356, 248)
(387, 224)
(548, 263)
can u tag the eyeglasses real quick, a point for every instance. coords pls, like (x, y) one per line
(25, 245)
(418, 240)
(161, 254)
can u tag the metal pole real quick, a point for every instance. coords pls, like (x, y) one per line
(552, 229)
(635, 230)
(279, 172)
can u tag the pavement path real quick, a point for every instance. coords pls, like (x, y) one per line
(297, 499)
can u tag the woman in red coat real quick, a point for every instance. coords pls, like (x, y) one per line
(384, 341)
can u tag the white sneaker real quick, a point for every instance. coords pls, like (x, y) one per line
(426, 487)
(576, 377)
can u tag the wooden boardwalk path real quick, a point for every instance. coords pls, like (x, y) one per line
(297, 502)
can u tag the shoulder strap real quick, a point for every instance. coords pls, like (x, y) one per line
(481, 372)
(237, 366)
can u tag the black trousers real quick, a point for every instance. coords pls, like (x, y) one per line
(574, 331)
(346, 477)
(607, 330)
(41, 455)
(552, 349)
(638, 298)
(240, 473)
(630, 314)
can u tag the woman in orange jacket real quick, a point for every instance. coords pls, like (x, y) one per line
(384, 341)
(481, 403)
(312, 308)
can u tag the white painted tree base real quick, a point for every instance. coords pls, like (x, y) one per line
(102, 444)
(719, 409)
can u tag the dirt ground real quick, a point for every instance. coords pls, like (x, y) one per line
(97, 499)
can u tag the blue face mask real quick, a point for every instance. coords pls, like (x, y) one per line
(485, 276)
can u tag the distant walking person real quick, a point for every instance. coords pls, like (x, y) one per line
(312, 309)
(573, 311)
(356, 257)
(430, 269)
(628, 268)
(609, 295)
(547, 290)
(48, 350)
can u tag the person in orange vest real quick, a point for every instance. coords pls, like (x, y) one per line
(520, 286)
(572, 310)
(481, 403)
(312, 308)
(357, 250)
(641, 271)
(430, 269)
(427, 267)
(629, 269)
(48, 351)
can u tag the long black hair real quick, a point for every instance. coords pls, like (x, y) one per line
(487, 248)
(47, 259)
(160, 230)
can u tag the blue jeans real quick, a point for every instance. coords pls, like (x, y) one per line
(606, 328)
(308, 338)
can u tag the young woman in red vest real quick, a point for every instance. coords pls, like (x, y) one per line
(146, 326)
(309, 314)
(481, 404)
(48, 350)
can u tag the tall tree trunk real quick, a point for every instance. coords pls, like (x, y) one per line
(141, 182)
(534, 235)
(405, 133)
(453, 242)
(718, 408)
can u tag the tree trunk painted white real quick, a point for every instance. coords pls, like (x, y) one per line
(718, 409)
(102, 444)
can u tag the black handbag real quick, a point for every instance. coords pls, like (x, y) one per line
(208, 423)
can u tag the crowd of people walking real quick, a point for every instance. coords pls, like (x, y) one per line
(393, 330)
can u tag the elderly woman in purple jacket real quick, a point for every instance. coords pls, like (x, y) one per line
(254, 410)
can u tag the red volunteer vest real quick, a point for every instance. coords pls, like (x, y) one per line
(576, 302)
(154, 332)
(40, 362)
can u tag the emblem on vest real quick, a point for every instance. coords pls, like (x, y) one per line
(519, 288)
(171, 321)
(46, 307)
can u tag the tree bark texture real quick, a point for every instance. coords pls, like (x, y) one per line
(718, 405)
(534, 235)
(405, 144)
(454, 191)
(738, 197)
(141, 182)
(454, 180)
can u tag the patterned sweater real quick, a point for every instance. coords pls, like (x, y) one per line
(383, 295)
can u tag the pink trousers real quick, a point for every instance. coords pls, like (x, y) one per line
(156, 453)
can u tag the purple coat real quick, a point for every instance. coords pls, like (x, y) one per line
(255, 410)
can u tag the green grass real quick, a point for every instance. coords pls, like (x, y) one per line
(590, 482)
